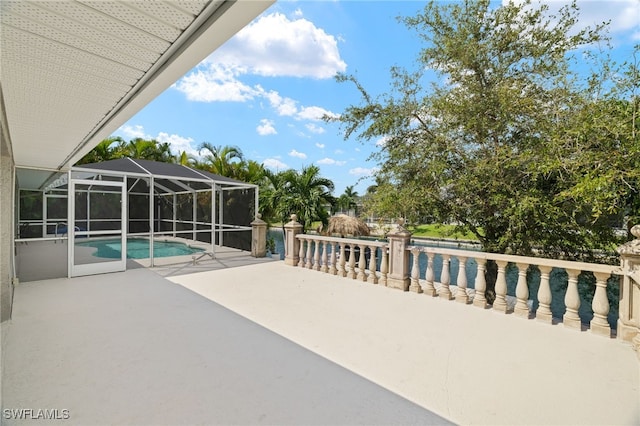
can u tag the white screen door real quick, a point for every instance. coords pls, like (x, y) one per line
(97, 228)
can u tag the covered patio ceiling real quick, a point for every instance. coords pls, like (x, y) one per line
(72, 72)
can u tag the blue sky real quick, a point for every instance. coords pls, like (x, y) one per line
(266, 88)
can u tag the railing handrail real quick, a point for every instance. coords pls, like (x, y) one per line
(342, 240)
(539, 261)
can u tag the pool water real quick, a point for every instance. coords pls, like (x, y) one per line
(138, 248)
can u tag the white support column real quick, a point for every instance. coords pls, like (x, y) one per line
(544, 296)
(522, 292)
(325, 258)
(373, 264)
(44, 215)
(429, 288)
(461, 293)
(152, 217)
(500, 304)
(600, 306)
(175, 213)
(194, 214)
(571, 318)
(445, 278)
(480, 285)
(221, 217)
(213, 218)
(332, 269)
(87, 212)
(415, 271)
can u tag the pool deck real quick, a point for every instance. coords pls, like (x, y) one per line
(267, 343)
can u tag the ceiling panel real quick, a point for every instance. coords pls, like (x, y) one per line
(73, 71)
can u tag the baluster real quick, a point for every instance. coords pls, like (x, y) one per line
(341, 265)
(384, 265)
(309, 263)
(479, 298)
(500, 304)
(571, 318)
(415, 271)
(301, 253)
(522, 292)
(362, 263)
(325, 267)
(445, 278)
(316, 257)
(352, 262)
(461, 293)
(332, 269)
(600, 306)
(544, 296)
(373, 262)
(429, 288)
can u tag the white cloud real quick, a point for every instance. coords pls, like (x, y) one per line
(623, 14)
(266, 128)
(315, 113)
(219, 83)
(216, 82)
(275, 164)
(297, 154)
(284, 106)
(361, 171)
(382, 141)
(273, 45)
(313, 128)
(331, 162)
(178, 143)
(133, 132)
(338, 151)
(320, 145)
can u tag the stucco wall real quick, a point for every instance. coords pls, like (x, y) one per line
(6, 228)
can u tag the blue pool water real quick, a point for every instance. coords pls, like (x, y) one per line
(138, 248)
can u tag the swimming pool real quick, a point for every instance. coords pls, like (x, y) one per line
(138, 248)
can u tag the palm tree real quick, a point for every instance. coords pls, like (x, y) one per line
(140, 148)
(251, 172)
(104, 151)
(272, 201)
(308, 194)
(220, 159)
(347, 201)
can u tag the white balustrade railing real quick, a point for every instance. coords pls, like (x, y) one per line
(361, 260)
(358, 260)
(520, 304)
(368, 261)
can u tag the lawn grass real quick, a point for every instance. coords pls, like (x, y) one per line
(438, 230)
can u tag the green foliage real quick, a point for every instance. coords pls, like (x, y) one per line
(348, 200)
(222, 160)
(510, 141)
(438, 230)
(304, 193)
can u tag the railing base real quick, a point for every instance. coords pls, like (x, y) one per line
(400, 284)
(545, 318)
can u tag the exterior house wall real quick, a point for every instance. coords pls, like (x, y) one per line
(7, 186)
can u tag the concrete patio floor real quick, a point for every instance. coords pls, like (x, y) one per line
(132, 348)
(272, 344)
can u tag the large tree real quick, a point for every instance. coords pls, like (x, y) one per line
(510, 140)
(224, 160)
(348, 200)
(305, 193)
